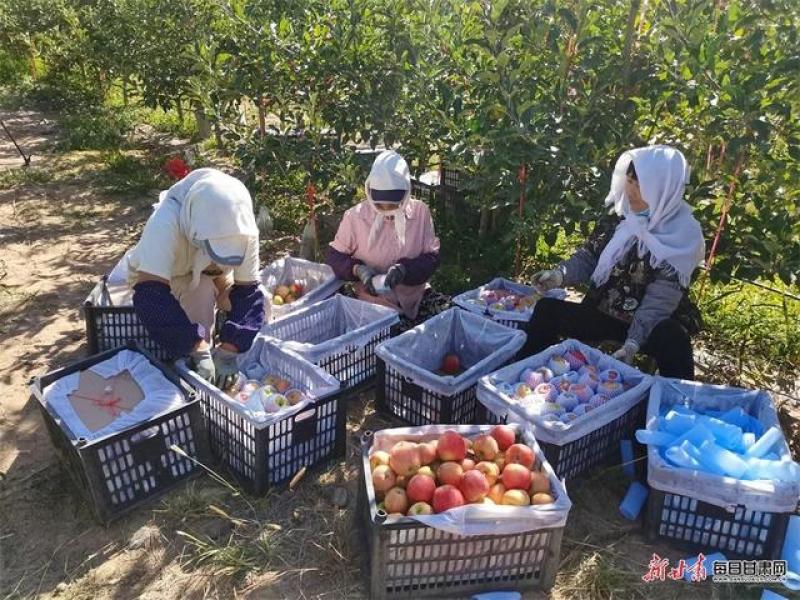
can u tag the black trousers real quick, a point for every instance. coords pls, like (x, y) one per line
(669, 343)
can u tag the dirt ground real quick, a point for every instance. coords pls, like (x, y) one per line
(60, 230)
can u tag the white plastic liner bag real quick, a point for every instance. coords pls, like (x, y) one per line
(556, 432)
(469, 300)
(481, 344)
(727, 492)
(330, 327)
(265, 359)
(160, 395)
(481, 519)
(318, 281)
(113, 289)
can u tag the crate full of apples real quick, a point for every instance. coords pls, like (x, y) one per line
(577, 401)
(460, 491)
(292, 283)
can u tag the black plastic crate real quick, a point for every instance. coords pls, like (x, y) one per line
(408, 559)
(398, 396)
(109, 326)
(353, 366)
(261, 456)
(121, 471)
(697, 526)
(599, 447)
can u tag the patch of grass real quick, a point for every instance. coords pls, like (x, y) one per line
(11, 178)
(97, 128)
(169, 122)
(129, 173)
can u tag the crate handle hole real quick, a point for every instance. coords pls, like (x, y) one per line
(144, 435)
(308, 414)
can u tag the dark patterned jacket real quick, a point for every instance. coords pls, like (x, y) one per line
(635, 292)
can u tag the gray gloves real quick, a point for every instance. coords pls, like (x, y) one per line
(226, 367)
(365, 275)
(203, 363)
(395, 275)
(627, 351)
(548, 279)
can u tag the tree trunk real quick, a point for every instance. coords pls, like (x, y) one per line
(203, 124)
(125, 90)
(179, 110)
(484, 224)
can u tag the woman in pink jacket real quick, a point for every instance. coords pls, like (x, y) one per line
(390, 233)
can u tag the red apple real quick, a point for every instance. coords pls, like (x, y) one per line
(504, 435)
(496, 493)
(427, 452)
(539, 483)
(542, 498)
(519, 454)
(296, 289)
(396, 501)
(467, 464)
(446, 497)
(420, 488)
(516, 477)
(451, 446)
(378, 458)
(383, 478)
(490, 470)
(450, 473)
(474, 486)
(404, 458)
(420, 508)
(516, 498)
(485, 447)
(451, 364)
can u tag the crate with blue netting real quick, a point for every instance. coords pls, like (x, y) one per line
(578, 401)
(292, 283)
(126, 428)
(339, 334)
(719, 468)
(505, 301)
(282, 415)
(429, 373)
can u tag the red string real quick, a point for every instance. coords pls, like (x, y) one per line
(111, 406)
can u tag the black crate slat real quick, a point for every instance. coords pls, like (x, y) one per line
(700, 527)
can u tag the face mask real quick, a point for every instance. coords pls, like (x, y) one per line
(643, 213)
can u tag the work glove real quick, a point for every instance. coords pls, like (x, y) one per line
(395, 275)
(627, 351)
(225, 366)
(203, 363)
(548, 279)
(365, 275)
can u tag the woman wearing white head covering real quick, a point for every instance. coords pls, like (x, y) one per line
(201, 238)
(390, 233)
(638, 262)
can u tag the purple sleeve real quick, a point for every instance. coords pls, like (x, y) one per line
(342, 264)
(420, 269)
(246, 316)
(164, 318)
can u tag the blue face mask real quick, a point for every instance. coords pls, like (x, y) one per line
(643, 213)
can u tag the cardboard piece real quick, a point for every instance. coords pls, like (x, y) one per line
(98, 401)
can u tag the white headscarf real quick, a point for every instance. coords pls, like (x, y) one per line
(214, 206)
(671, 234)
(389, 172)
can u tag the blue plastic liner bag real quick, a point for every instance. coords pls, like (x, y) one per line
(481, 345)
(689, 397)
